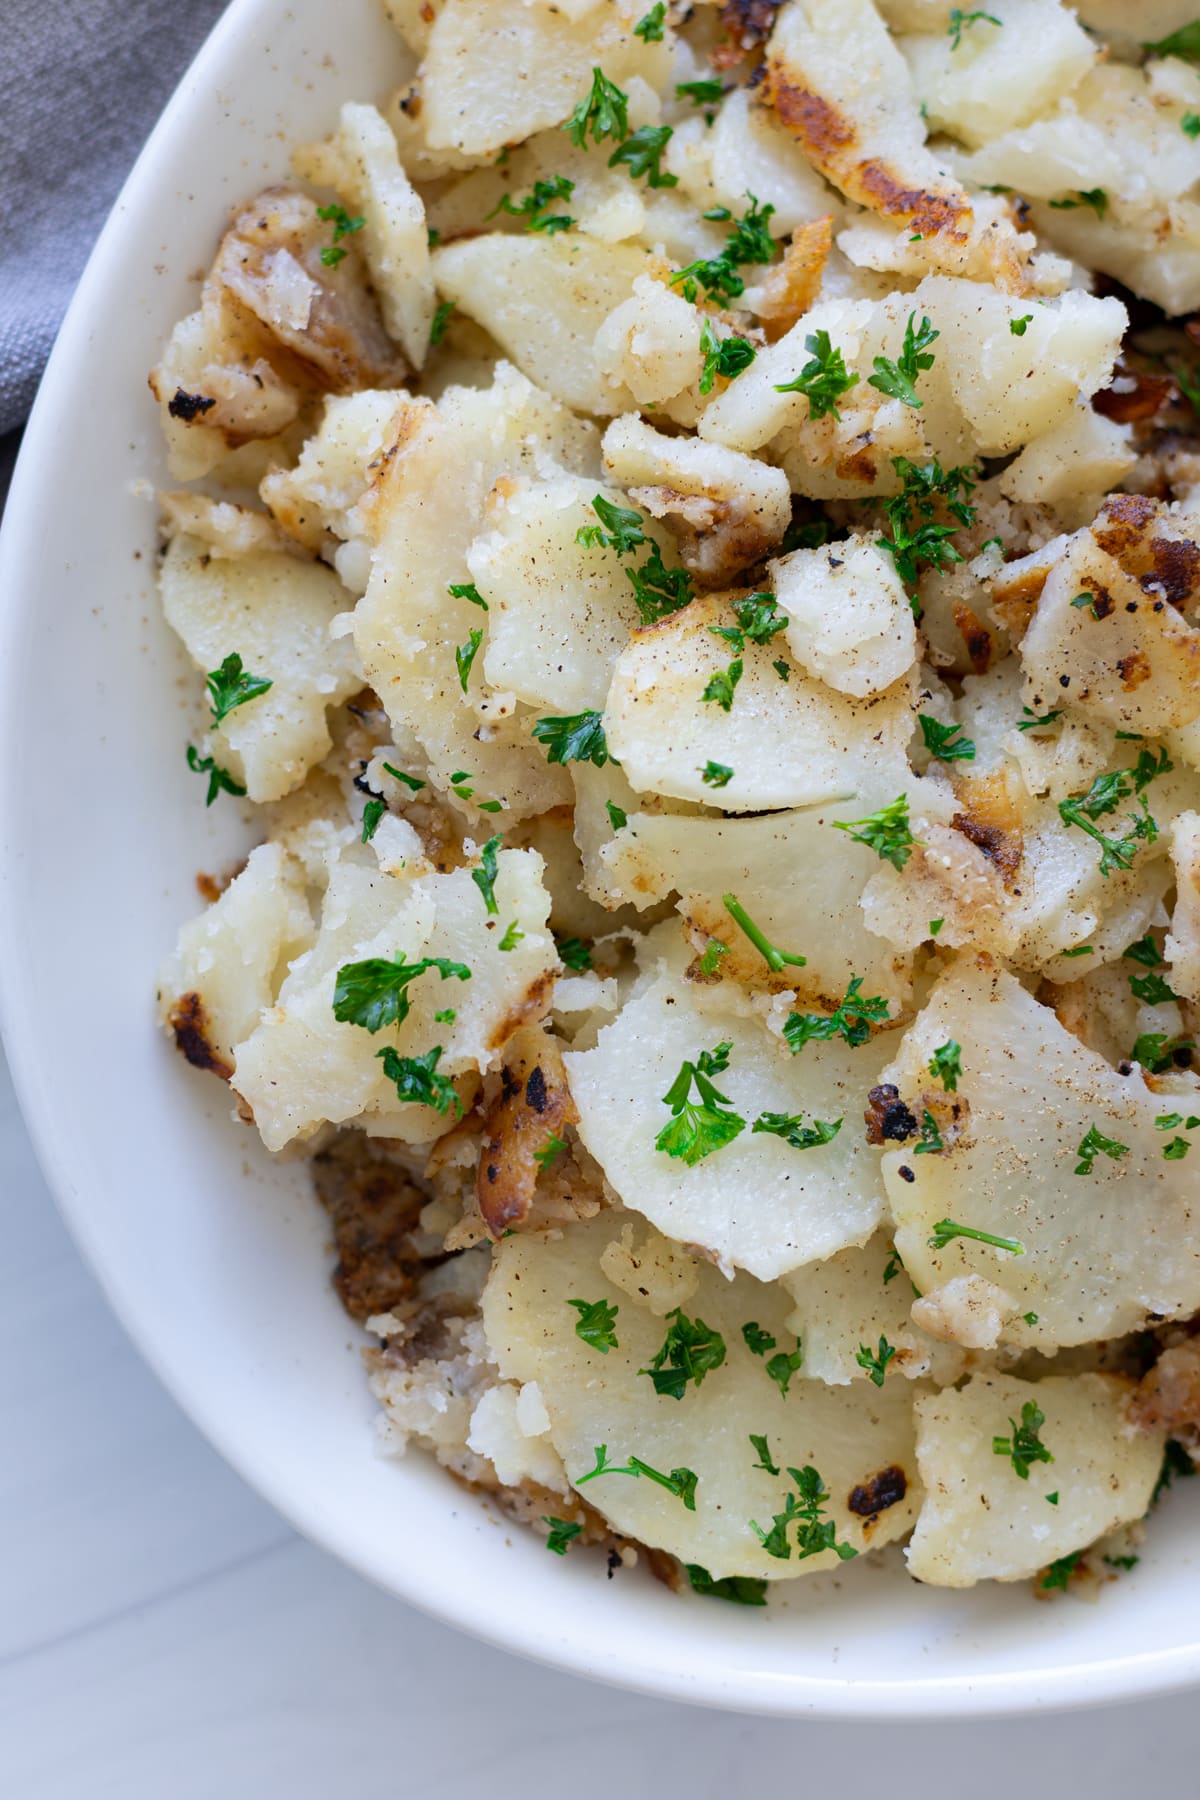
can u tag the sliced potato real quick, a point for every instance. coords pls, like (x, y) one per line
(1101, 1250)
(757, 1203)
(789, 741)
(980, 1521)
(1182, 947)
(302, 1067)
(275, 612)
(984, 82)
(850, 622)
(846, 1303)
(859, 1440)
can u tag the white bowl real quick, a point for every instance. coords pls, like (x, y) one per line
(214, 1256)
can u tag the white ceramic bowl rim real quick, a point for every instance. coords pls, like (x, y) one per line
(978, 1656)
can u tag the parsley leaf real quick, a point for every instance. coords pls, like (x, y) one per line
(886, 832)
(512, 937)
(1024, 1447)
(947, 1229)
(720, 687)
(232, 685)
(1096, 198)
(851, 1020)
(1184, 43)
(714, 950)
(372, 813)
(410, 781)
(441, 319)
(700, 93)
(1059, 1572)
(620, 528)
(574, 953)
(650, 26)
(782, 1366)
(562, 1532)
(657, 590)
(343, 226)
(792, 1129)
(1032, 721)
(689, 1352)
(464, 656)
(959, 20)
(1144, 951)
(758, 619)
(750, 241)
(803, 1509)
(758, 1341)
(466, 590)
(596, 1324)
(1152, 989)
(945, 1065)
(930, 1140)
(875, 1362)
(764, 1455)
(743, 1590)
(697, 1128)
(680, 1482)
(823, 380)
(618, 818)
(726, 357)
(220, 781)
(775, 959)
(374, 993)
(417, 1079)
(604, 113)
(551, 1150)
(897, 379)
(917, 537)
(533, 207)
(1018, 327)
(715, 774)
(1190, 124)
(1157, 1053)
(945, 742)
(1094, 1144)
(641, 153)
(577, 738)
(484, 876)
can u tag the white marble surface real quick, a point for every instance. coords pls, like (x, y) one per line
(163, 1633)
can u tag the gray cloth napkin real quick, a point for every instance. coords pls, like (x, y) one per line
(81, 84)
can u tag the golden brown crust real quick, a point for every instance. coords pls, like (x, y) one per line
(533, 1107)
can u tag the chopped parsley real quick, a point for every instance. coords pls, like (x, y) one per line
(945, 1065)
(641, 154)
(577, 738)
(960, 20)
(749, 241)
(1024, 1447)
(1032, 721)
(620, 528)
(1152, 988)
(875, 1362)
(945, 742)
(775, 959)
(1157, 1052)
(947, 1229)
(1176, 1461)
(1088, 600)
(803, 1509)
(930, 1139)
(595, 1326)
(1096, 198)
(690, 1351)
(372, 813)
(721, 686)
(743, 1590)
(726, 357)
(1018, 327)
(466, 590)
(886, 832)
(551, 1150)
(893, 1266)
(464, 656)
(1176, 1150)
(512, 937)
(757, 1341)
(1094, 1144)
(1190, 124)
(410, 781)
(220, 781)
(782, 1366)
(574, 953)
(657, 590)
(232, 685)
(935, 925)
(374, 993)
(343, 226)
(1059, 1572)
(698, 1127)
(715, 774)
(898, 379)
(417, 1079)
(562, 1532)
(1124, 1563)
(852, 1019)
(700, 93)
(916, 537)
(441, 319)
(533, 207)
(1184, 43)
(618, 818)
(680, 1482)
(650, 26)
(1144, 951)
(714, 950)
(758, 620)
(446, 1016)
(764, 1453)
(792, 1129)
(1104, 796)
(484, 876)
(604, 113)
(822, 381)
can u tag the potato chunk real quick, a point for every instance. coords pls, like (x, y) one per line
(229, 962)
(850, 623)
(859, 1440)
(986, 82)
(1102, 1248)
(789, 742)
(845, 1303)
(1183, 941)
(980, 1521)
(543, 300)
(757, 1203)
(302, 1067)
(274, 611)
